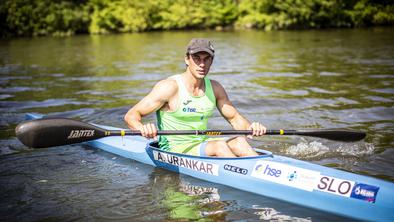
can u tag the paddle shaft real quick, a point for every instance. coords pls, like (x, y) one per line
(43, 133)
(339, 135)
(213, 132)
(182, 132)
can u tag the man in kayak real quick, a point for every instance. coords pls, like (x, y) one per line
(185, 102)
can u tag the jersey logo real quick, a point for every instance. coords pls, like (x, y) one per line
(187, 102)
(189, 110)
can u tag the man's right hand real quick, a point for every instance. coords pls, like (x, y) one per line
(149, 131)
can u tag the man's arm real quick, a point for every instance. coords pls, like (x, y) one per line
(231, 114)
(159, 96)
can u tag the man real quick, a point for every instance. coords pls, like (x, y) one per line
(185, 102)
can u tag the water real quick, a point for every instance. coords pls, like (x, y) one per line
(290, 79)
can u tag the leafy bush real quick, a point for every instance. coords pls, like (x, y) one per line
(67, 17)
(43, 17)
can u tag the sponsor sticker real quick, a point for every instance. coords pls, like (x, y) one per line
(335, 186)
(235, 169)
(188, 163)
(364, 192)
(348, 188)
(287, 175)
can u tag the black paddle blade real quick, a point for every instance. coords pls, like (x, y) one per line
(44, 133)
(338, 135)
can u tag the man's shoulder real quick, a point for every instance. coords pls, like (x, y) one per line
(169, 82)
(168, 85)
(218, 89)
(216, 85)
(173, 77)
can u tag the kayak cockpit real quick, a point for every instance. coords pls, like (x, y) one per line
(262, 153)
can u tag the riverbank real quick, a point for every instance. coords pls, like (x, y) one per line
(65, 18)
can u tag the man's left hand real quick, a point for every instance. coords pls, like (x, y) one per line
(258, 129)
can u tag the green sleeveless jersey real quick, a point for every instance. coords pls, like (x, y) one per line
(192, 114)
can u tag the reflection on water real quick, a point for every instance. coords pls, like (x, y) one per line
(290, 79)
(186, 198)
(270, 214)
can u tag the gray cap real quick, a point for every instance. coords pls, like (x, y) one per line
(200, 45)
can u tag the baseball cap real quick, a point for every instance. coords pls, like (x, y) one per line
(200, 45)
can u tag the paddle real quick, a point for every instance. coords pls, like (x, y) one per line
(49, 132)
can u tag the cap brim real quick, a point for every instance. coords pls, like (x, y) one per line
(209, 51)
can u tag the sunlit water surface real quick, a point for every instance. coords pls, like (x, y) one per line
(291, 80)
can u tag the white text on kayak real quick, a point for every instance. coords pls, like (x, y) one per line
(188, 163)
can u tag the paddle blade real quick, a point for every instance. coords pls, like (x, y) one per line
(338, 135)
(44, 133)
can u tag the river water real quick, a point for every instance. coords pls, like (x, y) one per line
(286, 79)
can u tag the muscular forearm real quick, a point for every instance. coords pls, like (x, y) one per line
(133, 120)
(238, 122)
(241, 123)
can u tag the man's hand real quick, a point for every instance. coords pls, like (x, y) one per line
(149, 131)
(258, 129)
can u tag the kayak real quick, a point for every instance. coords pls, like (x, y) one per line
(288, 179)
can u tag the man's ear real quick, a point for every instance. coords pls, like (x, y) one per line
(187, 60)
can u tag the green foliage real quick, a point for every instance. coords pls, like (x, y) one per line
(67, 17)
(288, 14)
(42, 17)
(134, 16)
(368, 12)
(117, 16)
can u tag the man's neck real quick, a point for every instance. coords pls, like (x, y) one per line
(192, 81)
(193, 84)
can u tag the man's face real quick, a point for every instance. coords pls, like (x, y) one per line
(199, 64)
